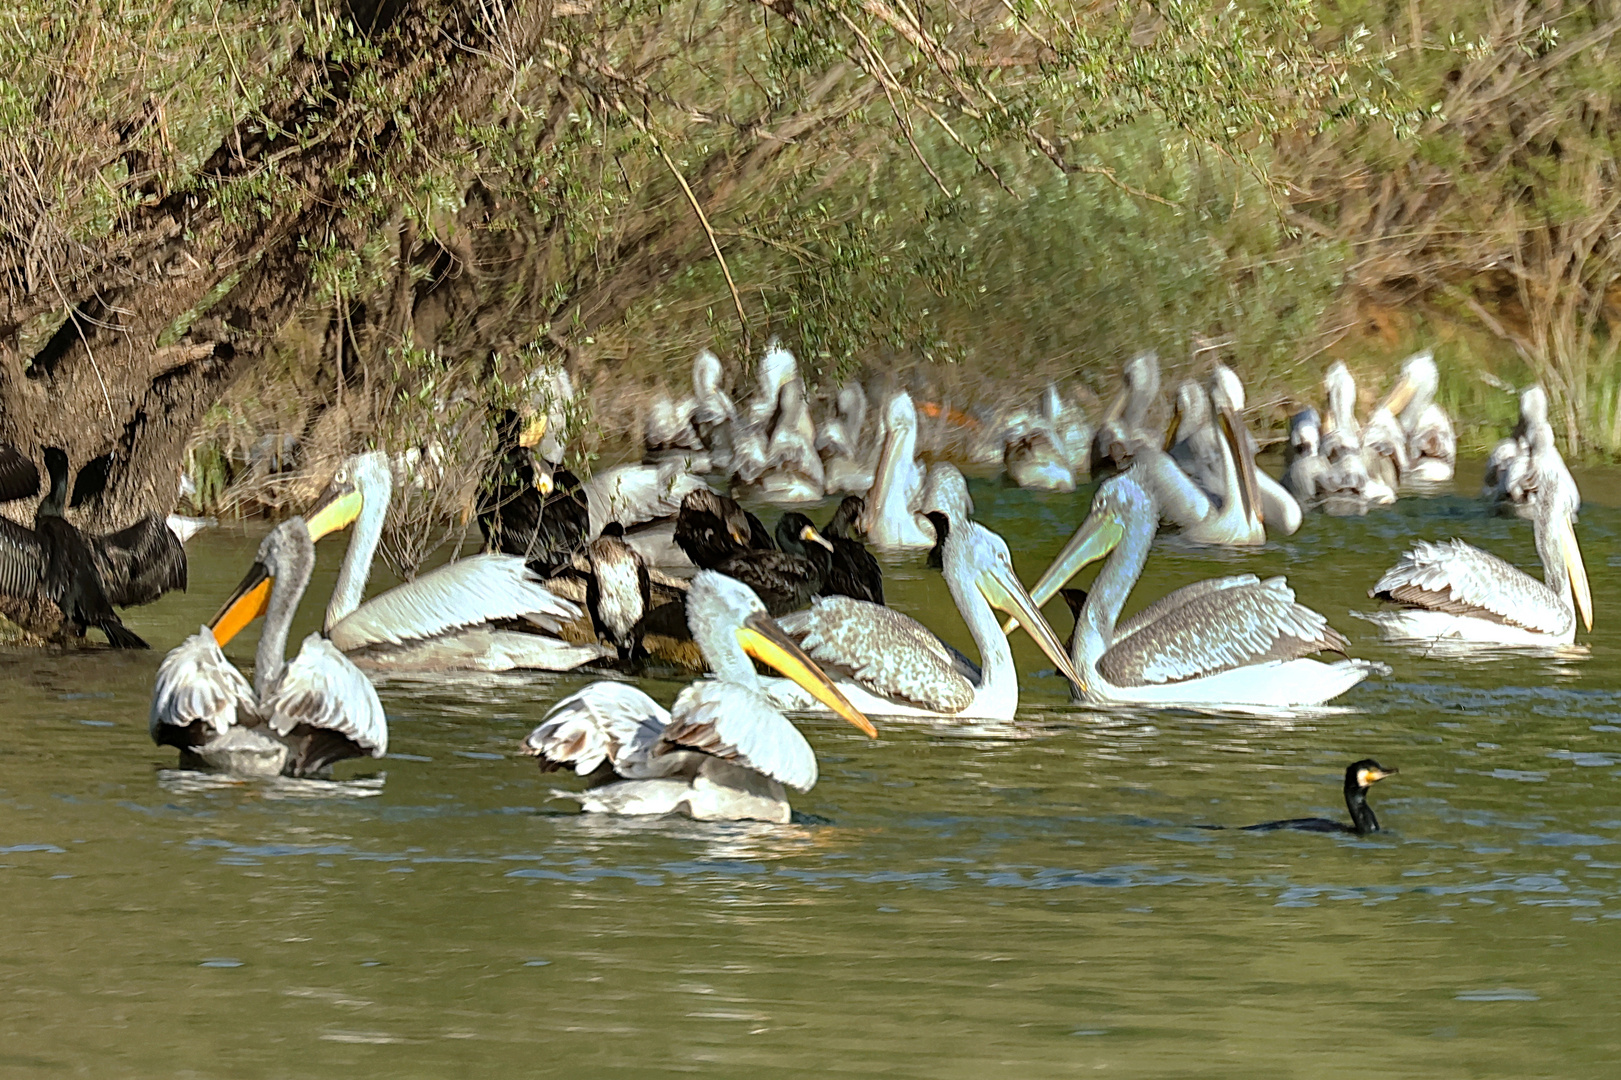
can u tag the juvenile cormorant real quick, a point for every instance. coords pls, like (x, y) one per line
(617, 591)
(711, 528)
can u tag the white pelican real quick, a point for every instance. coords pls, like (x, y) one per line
(1350, 474)
(1230, 514)
(889, 664)
(1452, 591)
(793, 471)
(297, 718)
(546, 406)
(847, 460)
(1226, 643)
(1306, 468)
(724, 751)
(1069, 428)
(1518, 461)
(713, 411)
(668, 432)
(1124, 426)
(1034, 460)
(1278, 508)
(891, 519)
(450, 617)
(1432, 447)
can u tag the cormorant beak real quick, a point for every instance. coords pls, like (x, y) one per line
(810, 535)
(1002, 589)
(1096, 537)
(1570, 553)
(738, 535)
(544, 482)
(768, 643)
(247, 603)
(1368, 777)
(534, 430)
(337, 509)
(1249, 487)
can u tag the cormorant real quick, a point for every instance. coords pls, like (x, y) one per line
(539, 514)
(711, 528)
(1359, 776)
(618, 592)
(785, 580)
(847, 567)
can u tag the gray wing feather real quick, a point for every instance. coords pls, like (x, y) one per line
(1215, 630)
(1459, 579)
(631, 494)
(322, 688)
(468, 592)
(742, 726)
(890, 654)
(1173, 600)
(606, 721)
(196, 682)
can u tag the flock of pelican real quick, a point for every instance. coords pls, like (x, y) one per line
(651, 567)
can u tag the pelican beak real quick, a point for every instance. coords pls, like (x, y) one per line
(1249, 487)
(1571, 555)
(768, 643)
(1117, 407)
(247, 603)
(337, 509)
(1003, 591)
(534, 430)
(1096, 537)
(1175, 426)
(810, 535)
(889, 463)
(1400, 395)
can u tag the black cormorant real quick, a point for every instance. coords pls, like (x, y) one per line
(711, 528)
(854, 572)
(539, 514)
(785, 580)
(1359, 776)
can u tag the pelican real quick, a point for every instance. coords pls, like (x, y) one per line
(1529, 453)
(1305, 473)
(846, 461)
(1350, 475)
(1432, 447)
(546, 405)
(668, 432)
(1070, 431)
(793, 472)
(1226, 643)
(892, 665)
(1221, 453)
(297, 718)
(1124, 426)
(1277, 507)
(890, 520)
(447, 619)
(1455, 592)
(724, 751)
(713, 411)
(1035, 461)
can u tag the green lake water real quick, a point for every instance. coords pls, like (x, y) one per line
(1025, 901)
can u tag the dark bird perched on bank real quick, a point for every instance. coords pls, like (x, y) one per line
(539, 514)
(712, 528)
(49, 575)
(854, 572)
(618, 592)
(1359, 776)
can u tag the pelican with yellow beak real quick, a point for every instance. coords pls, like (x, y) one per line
(1453, 592)
(724, 751)
(1233, 643)
(897, 667)
(296, 718)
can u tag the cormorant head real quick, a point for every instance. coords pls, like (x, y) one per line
(1361, 775)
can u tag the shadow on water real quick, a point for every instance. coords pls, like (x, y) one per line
(1029, 899)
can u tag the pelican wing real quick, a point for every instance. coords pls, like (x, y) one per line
(468, 592)
(321, 694)
(607, 721)
(196, 684)
(890, 654)
(1459, 579)
(630, 494)
(1173, 600)
(741, 725)
(1215, 630)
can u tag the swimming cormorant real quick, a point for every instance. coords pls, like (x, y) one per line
(1359, 776)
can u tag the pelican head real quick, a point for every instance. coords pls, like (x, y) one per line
(362, 480)
(978, 555)
(945, 491)
(1236, 436)
(1117, 500)
(1555, 508)
(1416, 388)
(1305, 433)
(1341, 390)
(547, 392)
(1533, 405)
(1224, 382)
(731, 625)
(1190, 410)
(288, 550)
(1140, 390)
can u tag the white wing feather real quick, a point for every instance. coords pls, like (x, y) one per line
(322, 688)
(196, 682)
(606, 721)
(1460, 579)
(742, 726)
(631, 494)
(468, 592)
(889, 654)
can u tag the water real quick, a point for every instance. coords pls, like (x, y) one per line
(1031, 901)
